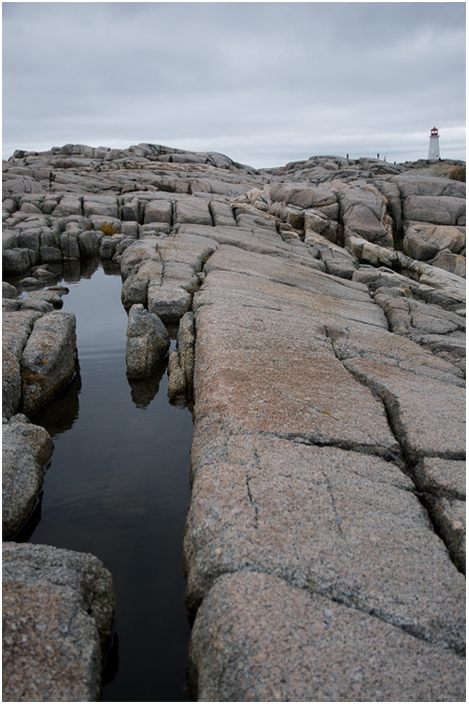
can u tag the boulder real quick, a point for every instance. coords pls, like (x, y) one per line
(16, 329)
(48, 359)
(441, 477)
(324, 226)
(26, 448)
(364, 214)
(442, 210)
(147, 342)
(89, 243)
(440, 432)
(419, 185)
(9, 291)
(57, 618)
(438, 237)
(130, 210)
(443, 483)
(68, 242)
(456, 264)
(324, 545)
(17, 260)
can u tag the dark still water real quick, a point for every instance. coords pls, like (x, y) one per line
(118, 487)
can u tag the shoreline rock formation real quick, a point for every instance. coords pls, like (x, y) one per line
(321, 317)
(57, 619)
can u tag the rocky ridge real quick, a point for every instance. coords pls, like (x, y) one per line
(321, 315)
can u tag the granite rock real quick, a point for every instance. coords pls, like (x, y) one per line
(147, 342)
(26, 448)
(257, 638)
(321, 338)
(57, 616)
(48, 359)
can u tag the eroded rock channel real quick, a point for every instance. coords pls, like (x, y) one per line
(320, 319)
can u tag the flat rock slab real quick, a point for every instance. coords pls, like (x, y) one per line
(244, 290)
(262, 240)
(57, 616)
(353, 341)
(258, 639)
(264, 365)
(334, 522)
(253, 264)
(427, 415)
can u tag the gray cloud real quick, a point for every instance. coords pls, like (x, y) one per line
(265, 83)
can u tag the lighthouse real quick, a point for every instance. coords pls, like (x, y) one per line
(434, 147)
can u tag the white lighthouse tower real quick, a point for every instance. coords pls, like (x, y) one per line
(434, 147)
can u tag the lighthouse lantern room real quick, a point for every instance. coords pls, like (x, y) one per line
(434, 147)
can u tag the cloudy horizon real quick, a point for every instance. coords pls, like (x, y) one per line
(264, 83)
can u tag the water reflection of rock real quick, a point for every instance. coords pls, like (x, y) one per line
(61, 412)
(74, 270)
(143, 391)
(111, 663)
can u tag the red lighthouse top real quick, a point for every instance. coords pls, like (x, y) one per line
(434, 132)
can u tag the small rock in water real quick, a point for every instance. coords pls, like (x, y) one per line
(147, 342)
(176, 378)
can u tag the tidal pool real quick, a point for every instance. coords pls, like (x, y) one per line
(118, 487)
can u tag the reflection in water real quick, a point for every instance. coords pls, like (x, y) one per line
(118, 487)
(61, 412)
(145, 390)
(28, 529)
(70, 272)
(111, 664)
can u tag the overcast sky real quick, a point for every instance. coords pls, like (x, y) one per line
(264, 83)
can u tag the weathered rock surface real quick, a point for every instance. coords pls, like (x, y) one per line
(181, 361)
(39, 351)
(57, 615)
(321, 335)
(147, 342)
(285, 644)
(48, 358)
(26, 448)
(176, 378)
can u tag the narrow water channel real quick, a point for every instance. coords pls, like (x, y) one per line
(118, 487)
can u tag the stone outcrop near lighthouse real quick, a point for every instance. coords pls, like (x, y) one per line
(321, 317)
